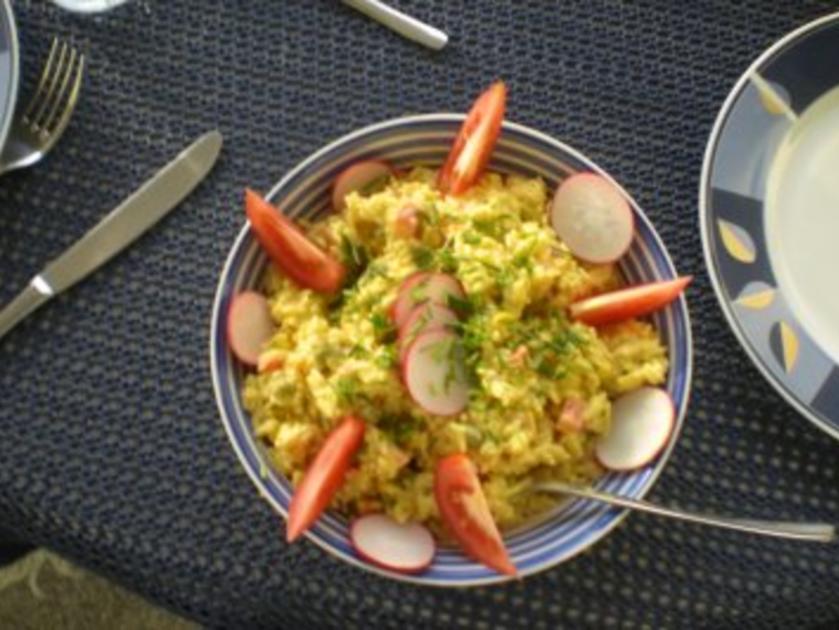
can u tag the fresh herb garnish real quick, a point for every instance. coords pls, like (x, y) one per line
(383, 327)
(386, 358)
(524, 259)
(352, 253)
(462, 306)
(473, 335)
(447, 260)
(426, 258)
(346, 388)
(359, 352)
(544, 368)
(401, 428)
(504, 276)
(487, 226)
(454, 354)
(547, 353)
(564, 341)
(381, 323)
(423, 257)
(355, 258)
(471, 238)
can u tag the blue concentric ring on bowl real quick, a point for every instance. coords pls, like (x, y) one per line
(305, 191)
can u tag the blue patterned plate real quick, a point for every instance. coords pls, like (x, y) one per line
(571, 527)
(8, 68)
(769, 208)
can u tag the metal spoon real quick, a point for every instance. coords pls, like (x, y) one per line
(819, 532)
(403, 24)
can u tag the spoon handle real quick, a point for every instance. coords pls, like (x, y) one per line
(820, 532)
(403, 24)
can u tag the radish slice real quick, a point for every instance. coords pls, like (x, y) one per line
(424, 286)
(403, 305)
(424, 318)
(356, 177)
(434, 375)
(249, 326)
(642, 421)
(593, 218)
(407, 548)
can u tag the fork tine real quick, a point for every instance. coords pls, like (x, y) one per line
(42, 81)
(59, 97)
(70, 105)
(36, 118)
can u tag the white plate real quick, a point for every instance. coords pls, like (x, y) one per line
(769, 208)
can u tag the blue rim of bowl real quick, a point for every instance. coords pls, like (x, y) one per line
(14, 71)
(710, 238)
(581, 523)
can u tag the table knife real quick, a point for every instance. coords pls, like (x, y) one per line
(124, 224)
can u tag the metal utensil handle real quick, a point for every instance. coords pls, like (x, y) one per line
(822, 532)
(401, 23)
(21, 306)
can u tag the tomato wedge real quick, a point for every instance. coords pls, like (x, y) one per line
(475, 141)
(324, 476)
(296, 256)
(626, 303)
(465, 513)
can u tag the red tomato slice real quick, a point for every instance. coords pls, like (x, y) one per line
(465, 512)
(296, 256)
(475, 141)
(324, 476)
(627, 303)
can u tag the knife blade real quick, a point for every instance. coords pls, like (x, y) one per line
(118, 229)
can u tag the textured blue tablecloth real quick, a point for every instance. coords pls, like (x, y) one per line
(111, 450)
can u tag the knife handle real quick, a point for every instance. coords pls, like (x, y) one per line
(33, 296)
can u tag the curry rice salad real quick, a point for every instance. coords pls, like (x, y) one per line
(539, 385)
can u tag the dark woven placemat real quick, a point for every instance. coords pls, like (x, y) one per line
(110, 446)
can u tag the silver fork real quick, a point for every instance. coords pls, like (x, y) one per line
(39, 125)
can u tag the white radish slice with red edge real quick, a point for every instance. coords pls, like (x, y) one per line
(424, 318)
(406, 548)
(642, 422)
(249, 326)
(404, 303)
(424, 286)
(357, 177)
(434, 373)
(593, 218)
